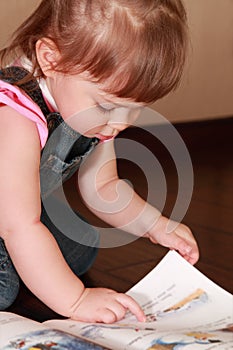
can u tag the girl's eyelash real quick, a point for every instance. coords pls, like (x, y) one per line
(104, 110)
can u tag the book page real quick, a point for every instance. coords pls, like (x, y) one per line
(184, 309)
(126, 337)
(12, 325)
(17, 332)
(176, 296)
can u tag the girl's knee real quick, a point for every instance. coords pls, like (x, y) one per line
(9, 287)
(81, 259)
(87, 261)
(9, 279)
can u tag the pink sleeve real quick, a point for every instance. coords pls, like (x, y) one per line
(12, 96)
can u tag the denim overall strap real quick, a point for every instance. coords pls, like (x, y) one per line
(62, 155)
(14, 74)
(65, 148)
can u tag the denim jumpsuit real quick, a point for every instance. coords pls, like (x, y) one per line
(62, 155)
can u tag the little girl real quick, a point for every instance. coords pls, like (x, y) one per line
(69, 56)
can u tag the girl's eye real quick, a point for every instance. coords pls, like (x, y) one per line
(105, 108)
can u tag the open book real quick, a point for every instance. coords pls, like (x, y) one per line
(184, 309)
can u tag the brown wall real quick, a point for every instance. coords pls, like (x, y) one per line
(12, 13)
(207, 87)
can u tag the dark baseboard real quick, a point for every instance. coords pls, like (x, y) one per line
(197, 135)
(208, 133)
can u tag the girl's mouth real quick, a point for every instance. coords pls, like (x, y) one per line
(104, 137)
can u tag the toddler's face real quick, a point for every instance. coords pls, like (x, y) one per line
(88, 109)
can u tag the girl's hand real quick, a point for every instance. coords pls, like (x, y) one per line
(180, 238)
(106, 306)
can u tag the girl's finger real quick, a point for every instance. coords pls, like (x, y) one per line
(130, 304)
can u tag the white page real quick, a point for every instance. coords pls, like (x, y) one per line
(17, 332)
(132, 338)
(12, 325)
(173, 280)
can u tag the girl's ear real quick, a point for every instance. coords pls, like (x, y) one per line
(48, 55)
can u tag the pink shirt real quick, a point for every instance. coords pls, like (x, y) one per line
(15, 98)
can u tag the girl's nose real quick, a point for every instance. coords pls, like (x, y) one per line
(125, 118)
(113, 129)
(118, 126)
(121, 121)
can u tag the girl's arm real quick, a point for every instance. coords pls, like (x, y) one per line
(115, 202)
(31, 246)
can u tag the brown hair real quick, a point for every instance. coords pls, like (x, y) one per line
(135, 48)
